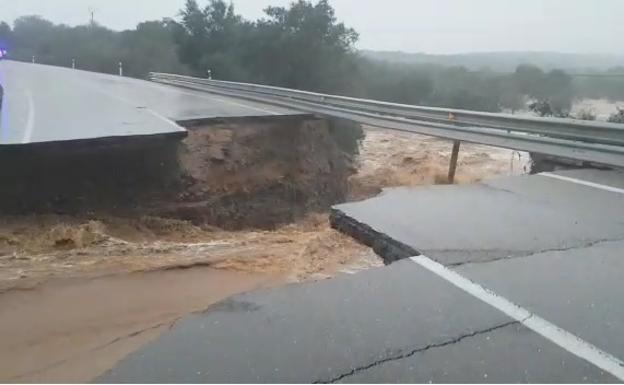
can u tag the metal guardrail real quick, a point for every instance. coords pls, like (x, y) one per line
(581, 140)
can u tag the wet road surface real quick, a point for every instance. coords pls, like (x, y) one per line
(519, 282)
(383, 324)
(45, 103)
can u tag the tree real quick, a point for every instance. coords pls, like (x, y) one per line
(458, 87)
(150, 48)
(392, 82)
(300, 46)
(304, 47)
(559, 90)
(32, 36)
(209, 38)
(5, 35)
(510, 97)
(552, 92)
(528, 81)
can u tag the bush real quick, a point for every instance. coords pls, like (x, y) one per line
(585, 115)
(618, 117)
(547, 108)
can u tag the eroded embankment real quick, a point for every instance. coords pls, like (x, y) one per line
(236, 173)
(261, 173)
(247, 195)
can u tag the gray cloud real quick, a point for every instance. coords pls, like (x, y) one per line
(434, 26)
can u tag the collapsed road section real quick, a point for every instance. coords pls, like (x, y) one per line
(494, 219)
(230, 173)
(519, 282)
(242, 200)
(547, 246)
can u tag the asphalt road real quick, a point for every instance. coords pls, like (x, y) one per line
(44, 103)
(519, 281)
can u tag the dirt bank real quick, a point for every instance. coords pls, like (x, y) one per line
(261, 173)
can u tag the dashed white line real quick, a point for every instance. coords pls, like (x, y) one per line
(30, 117)
(583, 182)
(551, 332)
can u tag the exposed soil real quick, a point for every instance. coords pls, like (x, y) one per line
(80, 289)
(262, 174)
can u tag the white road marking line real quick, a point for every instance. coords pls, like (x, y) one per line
(30, 118)
(164, 118)
(555, 334)
(583, 182)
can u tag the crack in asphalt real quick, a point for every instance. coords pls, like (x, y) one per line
(412, 352)
(576, 247)
(170, 324)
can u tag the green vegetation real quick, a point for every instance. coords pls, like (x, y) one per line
(95, 48)
(301, 46)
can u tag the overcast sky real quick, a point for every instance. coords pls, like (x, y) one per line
(433, 26)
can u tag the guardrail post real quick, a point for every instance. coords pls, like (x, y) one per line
(453, 165)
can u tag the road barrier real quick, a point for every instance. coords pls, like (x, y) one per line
(588, 141)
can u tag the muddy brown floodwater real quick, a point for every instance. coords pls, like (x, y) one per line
(392, 158)
(79, 292)
(73, 330)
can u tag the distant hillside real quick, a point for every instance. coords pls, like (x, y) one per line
(505, 61)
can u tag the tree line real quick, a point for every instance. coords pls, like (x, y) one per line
(301, 46)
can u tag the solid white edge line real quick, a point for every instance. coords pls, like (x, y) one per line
(165, 119)
(30, 119)
(583, 182)
(551, 332)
